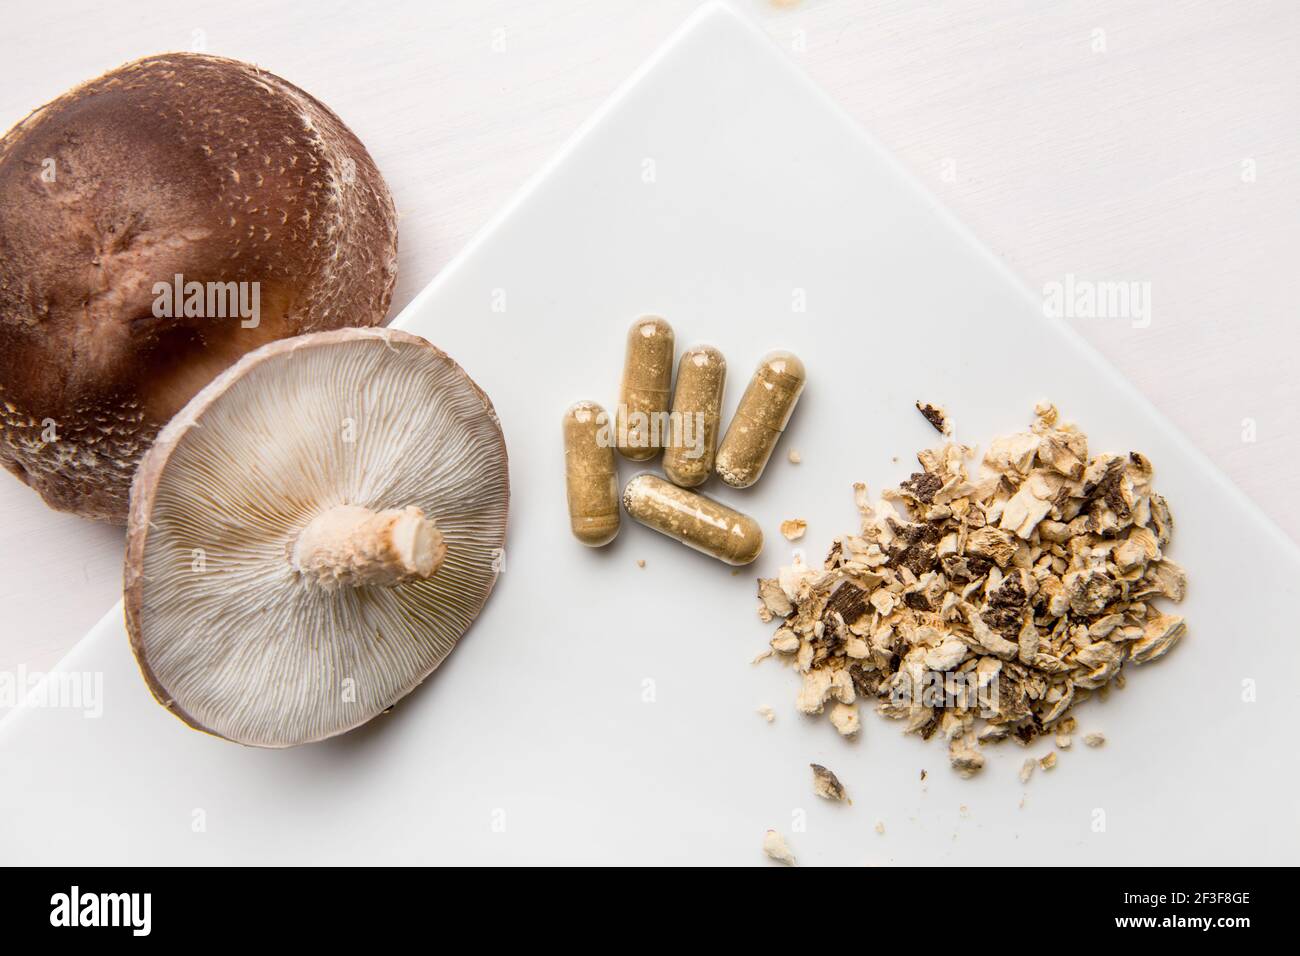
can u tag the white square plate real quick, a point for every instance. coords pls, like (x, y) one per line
(603, 712)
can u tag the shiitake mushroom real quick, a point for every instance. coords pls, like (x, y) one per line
(175, 171)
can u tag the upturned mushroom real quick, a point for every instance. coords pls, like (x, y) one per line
(312, 533)
(156, 223)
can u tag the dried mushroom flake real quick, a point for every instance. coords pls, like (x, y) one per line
(936, 416)
(794, 528)
(775, 847)
(826, 785)
(983, 607)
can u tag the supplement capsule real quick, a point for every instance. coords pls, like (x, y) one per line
(694, 520)
(642, 411)
(764, 409)
(697, 406)
(590, 475)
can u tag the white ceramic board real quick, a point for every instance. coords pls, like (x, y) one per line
(603, 712)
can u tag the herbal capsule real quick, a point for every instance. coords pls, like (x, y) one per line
(694, 520)
(764, 409)
(642, 411)
(697, 405)
(590, 475)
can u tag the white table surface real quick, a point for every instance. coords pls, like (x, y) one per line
(1113, 140)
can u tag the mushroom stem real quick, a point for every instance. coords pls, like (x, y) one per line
(352, 546)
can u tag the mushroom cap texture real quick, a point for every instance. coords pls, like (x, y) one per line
(175, 164)
(228, 636)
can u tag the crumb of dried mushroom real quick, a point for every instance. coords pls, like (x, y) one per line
(845, 719)
(1048, 761)
(767, 713)
(1027, 769)
(794, 528)
(794, 457)
(640, 562)
(1094, 739)
(1158, 636)
(964, 758)
(826, 785)
(982, 607)
(775, 847)
(936, 416)
(880, 827)
(772, 600)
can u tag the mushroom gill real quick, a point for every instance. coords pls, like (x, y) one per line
(312, 534)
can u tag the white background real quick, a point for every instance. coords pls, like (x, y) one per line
(1122, 163)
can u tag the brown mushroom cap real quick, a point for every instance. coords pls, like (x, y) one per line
(312, 534)
(177, 164)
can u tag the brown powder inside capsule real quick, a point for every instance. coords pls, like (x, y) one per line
(697, 408)
(761, 417)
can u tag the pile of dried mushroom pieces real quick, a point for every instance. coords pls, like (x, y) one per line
(995, 603)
